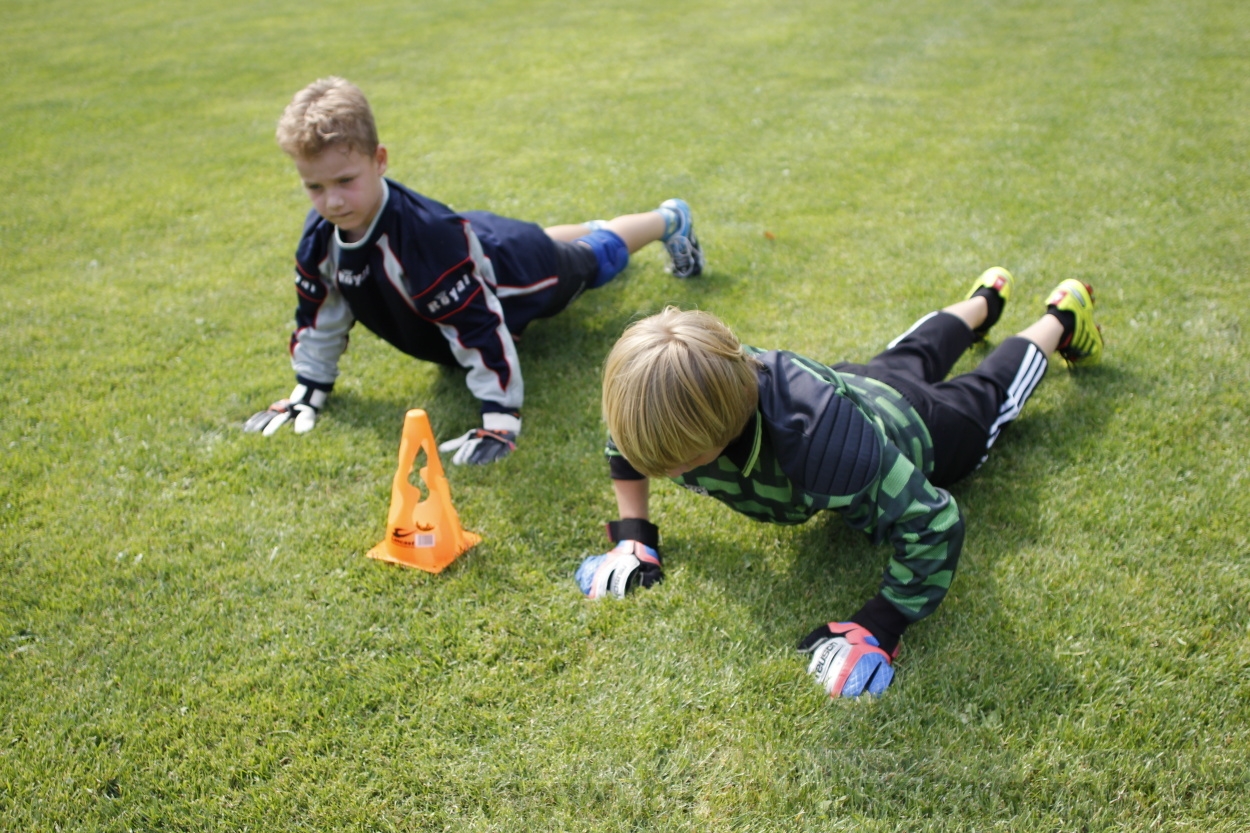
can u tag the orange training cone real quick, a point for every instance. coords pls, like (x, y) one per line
(425, 534)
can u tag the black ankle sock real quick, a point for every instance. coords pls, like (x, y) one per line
(1067, 318)
(994, 308)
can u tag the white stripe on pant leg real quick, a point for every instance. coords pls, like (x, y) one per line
(1032, 369)
(1027, 376)
(910, 330)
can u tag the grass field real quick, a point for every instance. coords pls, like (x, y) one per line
(191, 638)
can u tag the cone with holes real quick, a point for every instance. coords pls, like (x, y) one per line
(425, 534)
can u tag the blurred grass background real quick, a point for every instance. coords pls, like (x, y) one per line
(190, 636)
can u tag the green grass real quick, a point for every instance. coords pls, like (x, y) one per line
(191, 637)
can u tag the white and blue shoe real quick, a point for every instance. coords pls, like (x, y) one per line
(679, 240)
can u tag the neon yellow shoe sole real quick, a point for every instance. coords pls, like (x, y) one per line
(1085, 344)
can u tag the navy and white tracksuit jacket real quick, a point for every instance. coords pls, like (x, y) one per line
(444, 287)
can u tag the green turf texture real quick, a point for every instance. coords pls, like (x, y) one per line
(191, 638)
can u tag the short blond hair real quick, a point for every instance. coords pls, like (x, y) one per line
(328, 112)
(676, 386)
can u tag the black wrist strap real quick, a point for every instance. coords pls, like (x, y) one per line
(883, 621)
(311, 385)
(635, 529)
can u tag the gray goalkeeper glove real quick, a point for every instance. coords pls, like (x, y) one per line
(495, 440)
(302, 406)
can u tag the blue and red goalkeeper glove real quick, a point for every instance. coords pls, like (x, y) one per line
(847, 660)
(633, 562)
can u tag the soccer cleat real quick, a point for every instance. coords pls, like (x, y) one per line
(999, 280)
(996, 278)
(683, 247)
(1083, 345)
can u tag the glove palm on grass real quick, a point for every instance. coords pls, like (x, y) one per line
(634, 561)
(495, 440)
(300, 409)
(847, 660)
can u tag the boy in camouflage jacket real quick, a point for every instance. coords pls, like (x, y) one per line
(778, 437)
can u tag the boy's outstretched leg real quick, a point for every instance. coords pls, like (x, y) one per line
(995, 393)
(635, 230)
(614, 240)
(929, 348)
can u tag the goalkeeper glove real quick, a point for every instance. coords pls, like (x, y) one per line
(495, 440)
(633, 562)
(303, 406)
(847, 661)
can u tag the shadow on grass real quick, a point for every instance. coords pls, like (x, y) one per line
(561, 357)
(559, 463)
(970, 640)
(449, 403)
(816, 572)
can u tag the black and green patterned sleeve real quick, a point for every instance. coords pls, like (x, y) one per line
(922, 523)
(843, 460)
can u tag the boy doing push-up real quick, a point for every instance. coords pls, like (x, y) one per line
(779, 437)
(456, 289)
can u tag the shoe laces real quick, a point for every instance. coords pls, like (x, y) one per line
(682, 252)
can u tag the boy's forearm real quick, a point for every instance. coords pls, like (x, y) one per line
(633, 498)
(926, 555)
(925, 528)
(320, 338)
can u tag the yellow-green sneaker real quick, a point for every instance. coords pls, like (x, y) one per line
(1084, 344)
(999, 280)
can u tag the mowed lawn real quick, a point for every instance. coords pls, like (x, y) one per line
(191, 637)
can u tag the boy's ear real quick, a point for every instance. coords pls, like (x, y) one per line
(379, 156)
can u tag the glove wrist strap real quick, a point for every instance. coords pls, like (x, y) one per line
(883, 620)
(314, 398)
(492, 421)
(635, 529)
(313, 385)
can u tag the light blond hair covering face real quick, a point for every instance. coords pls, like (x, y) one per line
(676, 386)
(328, 112)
